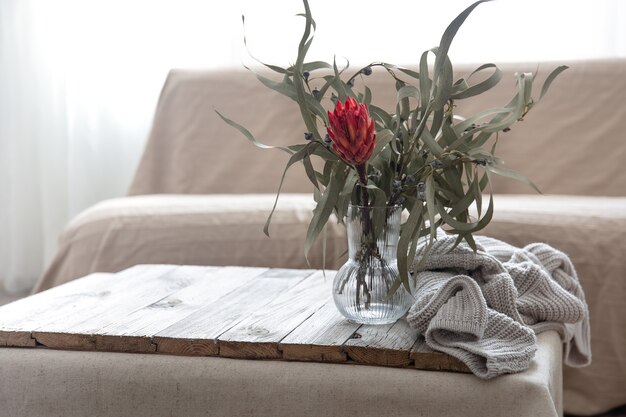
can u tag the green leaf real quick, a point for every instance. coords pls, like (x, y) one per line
(287, 88)
(448, 36)
(443, 83)
(368, 96)
(245, 43)
(431, 143)
(425, 85)
(550, 79)
(408, 91)
(298, 156)
(383, 137)
(250, 136)
(511, 174)
(340, 87)
(381, 116)
(406, 236)
(312, 66)
(467, 227)
(298, 82)
(483, 86)
(310, 171)
(437, 121)
(419, 265)
(409, 72)
(402, 104)
(430, 205)
(460, 127)
(325, 206)
(345, 196)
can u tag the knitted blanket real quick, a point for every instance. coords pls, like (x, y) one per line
(485, 307)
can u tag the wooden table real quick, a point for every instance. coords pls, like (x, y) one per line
(234, 312)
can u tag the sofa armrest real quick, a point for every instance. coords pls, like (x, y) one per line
(592, 231)
(191, 230)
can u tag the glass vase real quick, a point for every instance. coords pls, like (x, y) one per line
(363, 286)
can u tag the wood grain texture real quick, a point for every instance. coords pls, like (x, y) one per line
(320, 337)
(259, 335)
(427, 359)
(387, 345)
(76, 327)
(236, 312)
(18, 319)
(140, 325)
(216, 318)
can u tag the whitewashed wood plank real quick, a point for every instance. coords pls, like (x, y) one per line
(13, 334)
(75, 328)
(387, 345)
(321, 337)
(133, 332)
(70, 299)
(197, 334)
(19, 319)
(14, 315)
(259, 334)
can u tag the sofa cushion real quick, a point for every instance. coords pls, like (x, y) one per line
(191, 230)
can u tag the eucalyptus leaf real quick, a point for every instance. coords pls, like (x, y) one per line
(325, 206)
(483, 86)
(512, 174)
(298, 156)
(423, 157)
(406, 236)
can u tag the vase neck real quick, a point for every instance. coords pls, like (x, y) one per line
(373, 231)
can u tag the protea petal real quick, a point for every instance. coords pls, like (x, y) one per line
(352, 131)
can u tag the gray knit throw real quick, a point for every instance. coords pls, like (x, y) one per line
(485, 307)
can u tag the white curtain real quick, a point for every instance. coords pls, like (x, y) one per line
(79, 80)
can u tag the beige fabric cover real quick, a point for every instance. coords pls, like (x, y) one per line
(571, 143)
(40, 382)
(190, 230)
(591, 230)
(223, 230)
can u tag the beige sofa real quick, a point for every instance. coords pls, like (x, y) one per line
(202, 193)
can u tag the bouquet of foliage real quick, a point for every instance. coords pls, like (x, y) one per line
(419, 156)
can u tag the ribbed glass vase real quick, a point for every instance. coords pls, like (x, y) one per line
(361, 288)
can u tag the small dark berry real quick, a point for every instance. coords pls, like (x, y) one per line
(421, 191)
(471, 127)
(316, 93)
(350, 83)
(436, 164)
(506, 129)
(396, 185)
(308, 135)
(481, 162)
(410, 180)
(367, 70)
(327, 140)
(401, 199)
(306, 75)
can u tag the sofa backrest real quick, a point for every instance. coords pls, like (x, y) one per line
(573, 142)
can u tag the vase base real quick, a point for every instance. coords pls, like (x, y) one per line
(376, 313)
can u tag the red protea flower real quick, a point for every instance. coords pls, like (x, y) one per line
(352, 132)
